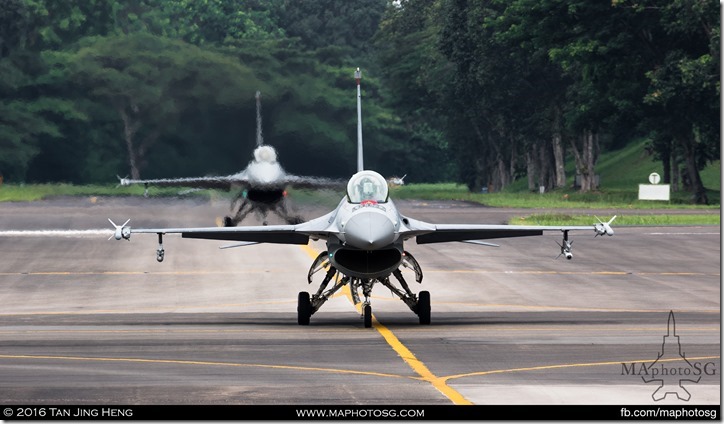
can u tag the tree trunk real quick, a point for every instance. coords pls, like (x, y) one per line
(502, 174)
(531, 162)
(692, 171)
(482, 172)
(675, 172)
(480, 178)
(546, 178)
(666, 163)
(593, 150)
(559, 150)
(586, 159)
(130, 128)
(501, 166)
(512, 162)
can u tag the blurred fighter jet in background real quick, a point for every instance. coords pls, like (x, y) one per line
(262, 185)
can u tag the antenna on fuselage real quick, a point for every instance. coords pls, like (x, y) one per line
(360, 161)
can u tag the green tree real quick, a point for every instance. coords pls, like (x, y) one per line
(220, 21)
(683, 45)
(149, 81)
(30, 111)
(323, 23)
(414, 77)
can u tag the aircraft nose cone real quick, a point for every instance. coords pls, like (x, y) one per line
(369, 230)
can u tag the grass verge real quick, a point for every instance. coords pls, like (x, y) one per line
(551, 200)
(621, 220)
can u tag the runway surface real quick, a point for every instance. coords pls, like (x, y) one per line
(85, 320)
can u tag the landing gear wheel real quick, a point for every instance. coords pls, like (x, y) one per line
(228, 222)
(304, 308)
(368, 316)
(423, 307)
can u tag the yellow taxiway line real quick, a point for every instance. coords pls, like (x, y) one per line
(205, 363)
(410, 359)
(560, 366)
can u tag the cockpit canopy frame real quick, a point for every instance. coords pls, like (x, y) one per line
(367, 186)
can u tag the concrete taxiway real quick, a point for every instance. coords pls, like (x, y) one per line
(87, 320)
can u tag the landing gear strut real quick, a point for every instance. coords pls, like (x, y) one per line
(308, 305)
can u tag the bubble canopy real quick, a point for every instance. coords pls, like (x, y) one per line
(367, 186)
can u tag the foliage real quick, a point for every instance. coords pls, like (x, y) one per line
(323, 23)
(483, 93)
(415, 75)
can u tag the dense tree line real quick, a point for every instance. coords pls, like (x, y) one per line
(482, 92)
(521, 84)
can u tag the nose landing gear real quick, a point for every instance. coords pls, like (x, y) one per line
(307, 305)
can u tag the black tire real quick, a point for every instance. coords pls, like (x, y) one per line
(368, 316)
(423, 307)
(304, 308)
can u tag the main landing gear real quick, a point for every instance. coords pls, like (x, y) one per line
(307, 305)
(304, 309)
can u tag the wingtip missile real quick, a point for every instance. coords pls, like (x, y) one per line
(122, 181)
(604, 228)
(121, 231)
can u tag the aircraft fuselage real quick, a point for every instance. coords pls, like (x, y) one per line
(368, 244)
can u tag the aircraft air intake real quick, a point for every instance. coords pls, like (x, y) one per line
(368, 263)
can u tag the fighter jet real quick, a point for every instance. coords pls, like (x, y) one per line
(365, 237)
(262, 186)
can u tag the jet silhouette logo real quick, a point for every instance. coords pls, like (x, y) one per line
(671, 379)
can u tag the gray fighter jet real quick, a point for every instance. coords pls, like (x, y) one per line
(365, 239)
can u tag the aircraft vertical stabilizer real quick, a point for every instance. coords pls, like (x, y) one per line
(360, 160)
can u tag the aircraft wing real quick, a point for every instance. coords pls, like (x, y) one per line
(282, 234)
(319, 228)
(221, 182)
(425, 232)
(306, 182)
(241, 180)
